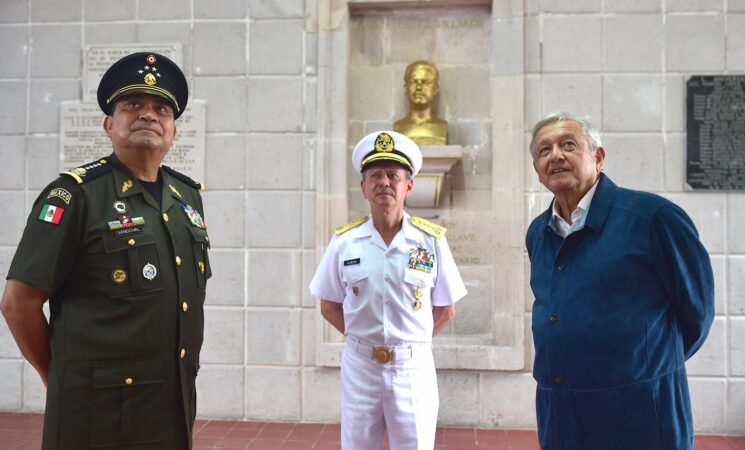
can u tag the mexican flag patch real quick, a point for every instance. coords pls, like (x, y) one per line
(51, 214)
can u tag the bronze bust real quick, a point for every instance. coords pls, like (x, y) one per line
(421, 125)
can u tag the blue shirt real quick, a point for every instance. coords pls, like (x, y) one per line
(620, 305)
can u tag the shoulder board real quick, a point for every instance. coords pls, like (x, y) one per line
(353, 224)
(428, 227)
(89, 171)
(186, 179)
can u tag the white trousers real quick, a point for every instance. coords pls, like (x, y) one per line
(400, 397)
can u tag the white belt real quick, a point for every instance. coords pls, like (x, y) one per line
(383, 353)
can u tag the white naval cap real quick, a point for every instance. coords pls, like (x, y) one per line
(387, 146)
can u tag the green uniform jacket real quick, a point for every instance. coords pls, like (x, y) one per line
(126, 281)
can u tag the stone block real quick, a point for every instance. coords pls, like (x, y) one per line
(707, 213)
(14, 48)
(736, 223)
(221, 9)
(308, 340)
(529, 347)
(226, 287)
(735, 6)
(220, 392)
(55, 51)
(225, 215)
(265, 113)
(507, 400)
(470, 44)
(43, 157)
(109, 33)
(8, 347)
(465, 93)
(56, 10)
(710, 358)
(274, 277)
(13, 107)
(13, 219)
(578, 94)
(275, 9)
(310, 103)
(630, 6)
(675, 155)
(12, 154)
(672, 6)
(275, 47)
(366, 41)
(707, 402)
(321, 394)
(406, 42)
(581, 6)
(719, 268)
(274, 219)
(694, 42)
(632, 103)
(273, 336)
(309, 220)
(572, 43)
(475, 313)
(675, 103)
(309, 269)
(225, 165)
(459, 395)
(6, 256)
(737, 346)
(14, 12)
(110, 10)
(34, 392)
(275, 161)
(11, 375)
(532, 44)
(372, 92)
(45, 96)
(310, 59)
(223, 336)
(632, 43)
(214, 54)
(735, 41)
(273, 393)
(164, 9)
(223, 94)
(735, 409)
(534, 104)
(507, 52)
(635, 161)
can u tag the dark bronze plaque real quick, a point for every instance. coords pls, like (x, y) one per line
(716, 132)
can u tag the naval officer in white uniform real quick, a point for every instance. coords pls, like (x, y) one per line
(389, 283)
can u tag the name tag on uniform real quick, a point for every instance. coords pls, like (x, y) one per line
(351, 262)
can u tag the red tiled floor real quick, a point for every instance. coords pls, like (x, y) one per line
(23, 432)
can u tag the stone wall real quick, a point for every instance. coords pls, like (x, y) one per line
(262, 66)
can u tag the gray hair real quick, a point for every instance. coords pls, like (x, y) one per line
(588, 129)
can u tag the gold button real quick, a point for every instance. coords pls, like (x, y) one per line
(165, 217)
(131, 242)
(185, 306)
(103, 161)
(200, 264)
(183, 353)
(178, 260)
(128, 381)
(206, 238)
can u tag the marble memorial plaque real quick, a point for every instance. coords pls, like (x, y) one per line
(716, 133)
(82, 137)
(98, 58)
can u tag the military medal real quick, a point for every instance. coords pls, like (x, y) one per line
(120, 207)
(149, 271)
(420, 259)
(119, 276)
(193, 216)
(355, 291)
(418, 293)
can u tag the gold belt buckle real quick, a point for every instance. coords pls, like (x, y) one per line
(382, 354)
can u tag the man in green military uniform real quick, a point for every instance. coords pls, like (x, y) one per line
(119, 247)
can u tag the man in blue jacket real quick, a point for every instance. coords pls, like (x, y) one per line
(624, 295)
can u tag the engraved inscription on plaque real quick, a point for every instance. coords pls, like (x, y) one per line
(82, 137)
(716, 132)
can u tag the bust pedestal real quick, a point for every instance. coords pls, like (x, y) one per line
(430, 185)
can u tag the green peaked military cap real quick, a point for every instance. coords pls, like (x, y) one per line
(144, 73)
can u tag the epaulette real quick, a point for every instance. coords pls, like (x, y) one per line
(353, 224)
(428, 227)
(186, 179)
(89, 171)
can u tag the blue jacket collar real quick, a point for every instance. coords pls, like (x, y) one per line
(600, 207)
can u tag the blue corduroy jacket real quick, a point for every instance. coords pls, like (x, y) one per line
(620, 305)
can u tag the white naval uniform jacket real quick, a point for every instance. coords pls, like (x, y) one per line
(377, 283)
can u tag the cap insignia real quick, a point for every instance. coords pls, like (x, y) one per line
(150, 59)
(150, 79)
(384, 143)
